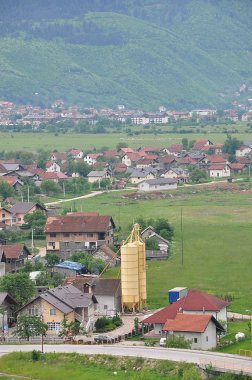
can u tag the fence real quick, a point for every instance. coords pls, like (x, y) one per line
(221, 365)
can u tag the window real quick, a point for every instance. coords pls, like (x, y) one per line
(105, 307)
(33, 311)
(195, 340)
(51, 243)
(66, 234)
(90, 234)
(52, 311)
(206, 338)
(53, 235)
(66, 243)
(53, 326)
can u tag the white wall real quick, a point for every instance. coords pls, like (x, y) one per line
(109, 302)
(205, 340)
(220, 316)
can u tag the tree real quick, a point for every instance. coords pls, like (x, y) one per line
(185, 143)
(6, 190)
(197, 175)
(30, 325)
(36, 221)
(19, 286)
(52, 259)
(231, 145)
(50, 187)
(121, 145)
(70, 328)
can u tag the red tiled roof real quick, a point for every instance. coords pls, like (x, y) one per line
(9, 179)
(134, 156)
(12, 251)
(110, 153)
(175, 148)
(193, 301)
(168, 312)
(77, 223)
(167, 159)
(217, 166)
(188, 323)
(199, 144)
(149, 149)
(94, 156)
(53, 175)
(127, 150)
(216, 158)
(237, 166)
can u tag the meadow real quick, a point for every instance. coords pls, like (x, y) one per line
(32, 142)
(217, 239)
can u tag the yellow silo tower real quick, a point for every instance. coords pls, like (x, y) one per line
(133, 272)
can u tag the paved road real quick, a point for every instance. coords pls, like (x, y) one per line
(224, 362)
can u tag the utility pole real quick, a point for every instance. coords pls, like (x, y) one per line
(28, 194)
(64, 191)
(32, 237)
(182, 237)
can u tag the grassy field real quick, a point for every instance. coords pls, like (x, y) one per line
(237, 347)
(33, 142)
(216, 233)
(80, 367)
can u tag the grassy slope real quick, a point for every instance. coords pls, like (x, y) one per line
(81, 367)
(217, 242)
(181, 68)
(48, 141)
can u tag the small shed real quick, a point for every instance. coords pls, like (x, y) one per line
(70, 268)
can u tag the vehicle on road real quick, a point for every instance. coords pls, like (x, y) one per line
(162, 342)
(103, 339)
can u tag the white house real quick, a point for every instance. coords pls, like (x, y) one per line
(194, 302)
(96, 176)
(243, 151)
(219, 171)
(76, 153)
(52, 167)
(130, 158)
(199, 329)
(180, 174)
(141, 119)
(91, 158)
(138, 176)
(159, 184)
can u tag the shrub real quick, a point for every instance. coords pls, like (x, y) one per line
(174, 341)
(35, 355)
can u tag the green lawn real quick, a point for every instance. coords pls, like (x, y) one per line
(81, 367)
(237, 347)
(217, 240)
(34, 141)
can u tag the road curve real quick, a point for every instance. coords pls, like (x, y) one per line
(220, 361)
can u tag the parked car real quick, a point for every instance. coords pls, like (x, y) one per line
(162, 342)
(103, 339)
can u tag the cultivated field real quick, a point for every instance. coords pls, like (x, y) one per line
(216, 232)
(34, 141)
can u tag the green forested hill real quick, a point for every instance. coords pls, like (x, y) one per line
(143, 53)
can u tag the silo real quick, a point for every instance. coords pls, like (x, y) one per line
(133, 272)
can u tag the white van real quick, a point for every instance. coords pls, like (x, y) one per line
(162, 342)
